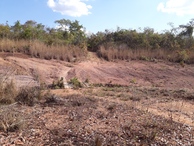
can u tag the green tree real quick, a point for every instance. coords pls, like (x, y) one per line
(16, 29)
(187, 30)
(187, 33)
(70, 31)
(4, 31)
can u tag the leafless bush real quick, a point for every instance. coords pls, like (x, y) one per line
(28, 96)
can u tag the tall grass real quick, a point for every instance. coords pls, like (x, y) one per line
(109, 51)
(41, 50)
(60, 52)
(7, 45)
(122, 52)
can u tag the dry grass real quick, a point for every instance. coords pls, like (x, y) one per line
(77, 119)
(10, 93)
(10, 119)
(60, 52)
(40, 50)
(7, 45)
(8, 90)
(122, 52)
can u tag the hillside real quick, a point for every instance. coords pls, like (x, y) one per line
(136, 73)
(126, 102)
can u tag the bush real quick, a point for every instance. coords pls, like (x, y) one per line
(8, 92)
(28, 96)
(10, 120)
(58, 84)
(75, 83)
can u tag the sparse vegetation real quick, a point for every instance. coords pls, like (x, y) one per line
(69, 42)
(10, 120)
(58, 84)
(104, 113)
(28, 96)
(75, 83)
(8, 92)
(146, 44)
(38, 41)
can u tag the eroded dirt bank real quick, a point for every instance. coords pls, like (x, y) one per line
(138, 73)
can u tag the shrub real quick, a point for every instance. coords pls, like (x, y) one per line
(28, 95)
(183, 56)
(10, 120)
(58, 84)
(8, 92)
(75, 83)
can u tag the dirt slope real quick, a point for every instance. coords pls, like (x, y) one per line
(129, 115)
(138, 73)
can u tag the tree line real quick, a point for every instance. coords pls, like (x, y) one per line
(120, 44)
(66, 32)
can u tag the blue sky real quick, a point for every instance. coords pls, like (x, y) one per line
(98, 15)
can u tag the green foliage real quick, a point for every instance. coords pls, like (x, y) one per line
(4, 31)
(123, 44)
(67, 33)
(71, 31)
(183, 56)
(58, 84)
(145, 44)
(75, 83)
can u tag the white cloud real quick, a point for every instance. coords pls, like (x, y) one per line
(75, 8)
(179, 7)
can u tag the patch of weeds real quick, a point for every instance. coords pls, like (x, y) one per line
(8, 92)
(75, 83)
(89, 91)
(124, 98)
(29, 95)
(109, 93)
(10, 120)
(183, 56)
(50, 98)
(97, 85)
(58, 84)
(119, 89)
(144, 58)
(99, 93)
(108, 89)
(133, 81)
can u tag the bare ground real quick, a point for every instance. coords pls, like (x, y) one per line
(142, 73)
(155, 106)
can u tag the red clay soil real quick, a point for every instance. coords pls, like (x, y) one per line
(138, 73)
(91, 118)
